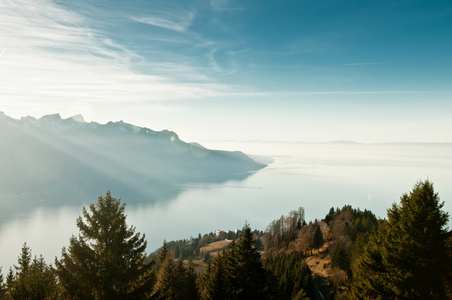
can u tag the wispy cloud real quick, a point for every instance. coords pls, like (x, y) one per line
(56, 58)
(179, 25)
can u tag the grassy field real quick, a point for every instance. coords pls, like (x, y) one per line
(213, 249)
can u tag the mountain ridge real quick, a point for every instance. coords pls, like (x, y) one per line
(50, 157)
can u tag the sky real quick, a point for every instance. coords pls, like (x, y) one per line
(238, 70)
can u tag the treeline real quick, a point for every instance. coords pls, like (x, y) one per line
(191, 248)
(406, 256)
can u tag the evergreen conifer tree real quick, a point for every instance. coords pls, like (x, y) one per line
(238, 272)
(251, 277)
(217, 283)
(317, 241)
(10, 278)
(339, 258)
(174, 280)
(292, 276)
(164, 254)
(205, 280)
(407, 257)
(107, 259)
(166, 287)
(23, 261)
(2, 286)
(33, 279)
(192, 291)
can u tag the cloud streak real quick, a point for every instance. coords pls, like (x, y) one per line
(180, 25)
(56, 58)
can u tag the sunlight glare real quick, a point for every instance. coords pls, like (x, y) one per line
(83, 108)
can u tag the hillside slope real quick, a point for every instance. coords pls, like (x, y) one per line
(55, 159)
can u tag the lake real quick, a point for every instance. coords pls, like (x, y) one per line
(316, 176)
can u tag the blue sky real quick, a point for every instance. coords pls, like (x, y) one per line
(367, 71)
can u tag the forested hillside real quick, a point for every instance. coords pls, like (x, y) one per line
(348, 254)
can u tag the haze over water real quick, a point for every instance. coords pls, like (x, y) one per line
(316, 176)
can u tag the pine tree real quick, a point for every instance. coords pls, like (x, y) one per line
(2, 286)
(205, 280)
(107, 259)
(180, 277)
(20, 284)
(192, 291)
(166, 287)
(33, 279)
(339, 258)
(24, 261)
(174, 280)
(238, 272)
(230, 267)
(164, 253)
(217, 283)
(10, 278)
(330, 216)
(292, 276)
(407, 257)
(251, 277)
(317, 241)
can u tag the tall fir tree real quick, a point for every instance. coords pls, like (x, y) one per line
(251, 277)
(24, 260)
(407, 257)
(317, 241)
(192, 290)
(339, 258)
(165, 287)
(238, 272)
(10, 278)
(33, 279)
(2, 286)
(217, 285)
(174, 280)
(292, 276)
(107, 259)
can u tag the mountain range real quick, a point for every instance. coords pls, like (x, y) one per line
(51, 159)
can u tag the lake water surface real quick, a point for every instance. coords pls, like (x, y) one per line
(316, 176)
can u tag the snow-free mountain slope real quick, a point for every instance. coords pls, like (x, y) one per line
(69, 159)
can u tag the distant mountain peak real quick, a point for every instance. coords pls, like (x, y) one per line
(53, 117)
(78, 118)
(4, 116)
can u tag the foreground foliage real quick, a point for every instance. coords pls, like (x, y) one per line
(32, 279)
(107, 259)
(408, 256)
(238, 273)
(292, 275)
